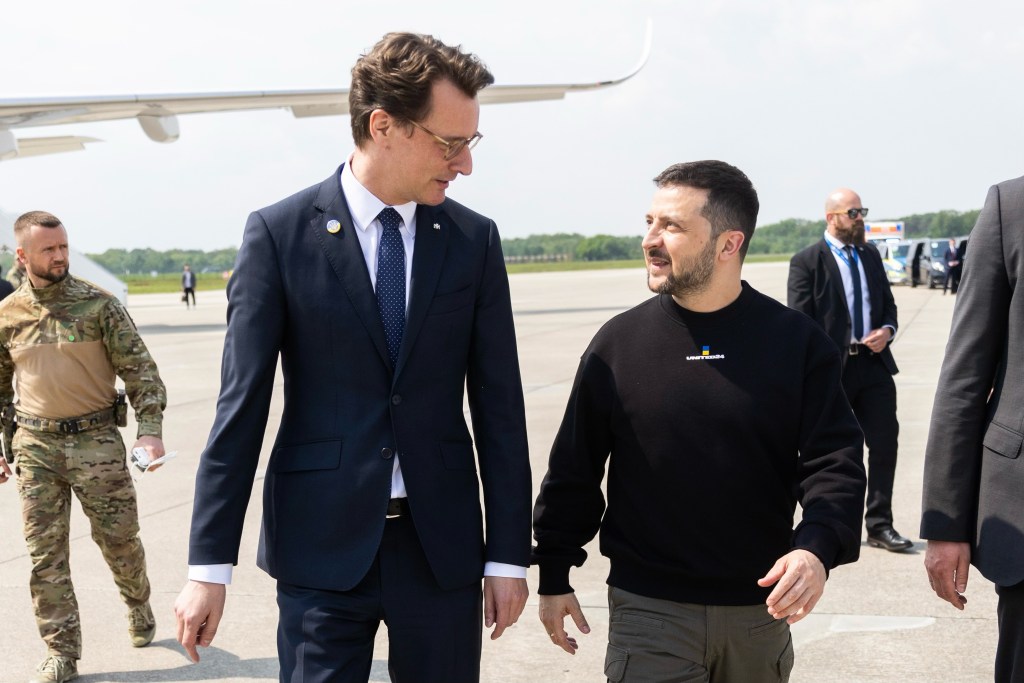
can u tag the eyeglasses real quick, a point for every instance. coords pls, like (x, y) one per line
(452, 147)
(851, 213)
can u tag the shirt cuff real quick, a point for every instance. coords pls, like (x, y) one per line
(509, 571)
(210, 573)
(892, 330)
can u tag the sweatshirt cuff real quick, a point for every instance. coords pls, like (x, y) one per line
(151, 425)
(820, 540)
(554, 578)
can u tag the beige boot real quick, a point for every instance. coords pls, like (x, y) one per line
(141, 625)
(56, 669)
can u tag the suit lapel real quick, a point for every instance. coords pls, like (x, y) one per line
(874, 285)
(432, 230)
(832, 270)
(346, 258)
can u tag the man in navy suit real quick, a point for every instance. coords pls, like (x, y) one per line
(953, 267)
(385, 302)
(841, 283)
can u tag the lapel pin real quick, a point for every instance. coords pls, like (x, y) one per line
(437, 226)
(333, 226)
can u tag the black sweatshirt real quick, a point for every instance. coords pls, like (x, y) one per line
(717, 424)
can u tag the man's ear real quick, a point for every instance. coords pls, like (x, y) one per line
(381, 125)
(19, 253)
(734, 240)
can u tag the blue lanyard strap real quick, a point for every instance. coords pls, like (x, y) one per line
(840, 254)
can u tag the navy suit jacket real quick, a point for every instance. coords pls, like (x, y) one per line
(973, 469)
(816, 289)
(303, 294)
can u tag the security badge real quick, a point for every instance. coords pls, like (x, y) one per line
(333, 226)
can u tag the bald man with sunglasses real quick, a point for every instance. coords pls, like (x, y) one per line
(841, 283)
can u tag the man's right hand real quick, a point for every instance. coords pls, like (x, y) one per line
(199, 609)
(5, 470)
(948, 564)
(552, 612)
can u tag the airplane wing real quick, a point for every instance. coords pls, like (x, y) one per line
(157, 114)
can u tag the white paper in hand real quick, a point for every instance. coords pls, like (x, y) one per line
(140, 458)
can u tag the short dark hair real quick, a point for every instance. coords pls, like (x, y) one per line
(732, 200)
(27, 220)
(397, 75)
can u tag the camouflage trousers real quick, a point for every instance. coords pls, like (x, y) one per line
(92, 465)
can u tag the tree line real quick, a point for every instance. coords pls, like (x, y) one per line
(146, 261)
(785, 237)
(793, 234)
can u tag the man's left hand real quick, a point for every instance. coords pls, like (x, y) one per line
(877, 339)
(5, 470)
(799, 578)
(504, 600)
(154, 446)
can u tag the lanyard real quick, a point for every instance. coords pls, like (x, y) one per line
(841, 254)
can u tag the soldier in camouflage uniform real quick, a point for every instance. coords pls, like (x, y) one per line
(63, 340)
(16, 273)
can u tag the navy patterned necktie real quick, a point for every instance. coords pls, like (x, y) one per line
(391, 280)
(858, 303)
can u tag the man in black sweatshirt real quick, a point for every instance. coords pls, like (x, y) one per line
(720, 409)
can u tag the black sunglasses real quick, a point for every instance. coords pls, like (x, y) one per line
(852, 213)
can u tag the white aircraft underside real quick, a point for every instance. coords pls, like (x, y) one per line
(158, 114)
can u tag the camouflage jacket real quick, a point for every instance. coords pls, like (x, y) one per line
(15, 275)
(65, 343)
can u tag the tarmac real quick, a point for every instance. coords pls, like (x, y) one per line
(878, 619)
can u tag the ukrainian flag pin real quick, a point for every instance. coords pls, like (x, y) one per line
(333, 226)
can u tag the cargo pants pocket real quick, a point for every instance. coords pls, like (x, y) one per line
(615, 664)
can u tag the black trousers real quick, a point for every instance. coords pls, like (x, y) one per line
(433, 635)
(1010, 652)
(952, 279)
(871, 392)
(189, 291)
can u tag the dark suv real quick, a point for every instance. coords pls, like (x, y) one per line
(926, 261)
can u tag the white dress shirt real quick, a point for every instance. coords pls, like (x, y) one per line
(847, 274)
(364, 207)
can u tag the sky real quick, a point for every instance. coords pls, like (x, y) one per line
(916, 104)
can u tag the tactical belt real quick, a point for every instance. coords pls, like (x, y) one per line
(71, 426)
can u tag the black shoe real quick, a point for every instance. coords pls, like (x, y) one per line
(889, 539)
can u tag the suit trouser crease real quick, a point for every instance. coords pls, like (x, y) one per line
(434, 635)
(91, 465)
(871, 391)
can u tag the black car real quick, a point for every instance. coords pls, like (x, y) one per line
(926, 261)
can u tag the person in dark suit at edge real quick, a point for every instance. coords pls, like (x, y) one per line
(973, 506)
(841, 284)
(954, 267)
(386, 303)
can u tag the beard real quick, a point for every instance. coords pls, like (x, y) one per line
(851, 234)
(50, 275)
(693, 275)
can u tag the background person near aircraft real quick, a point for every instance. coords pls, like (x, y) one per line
(188, 285)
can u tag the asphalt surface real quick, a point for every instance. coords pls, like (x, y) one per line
(878, 620)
